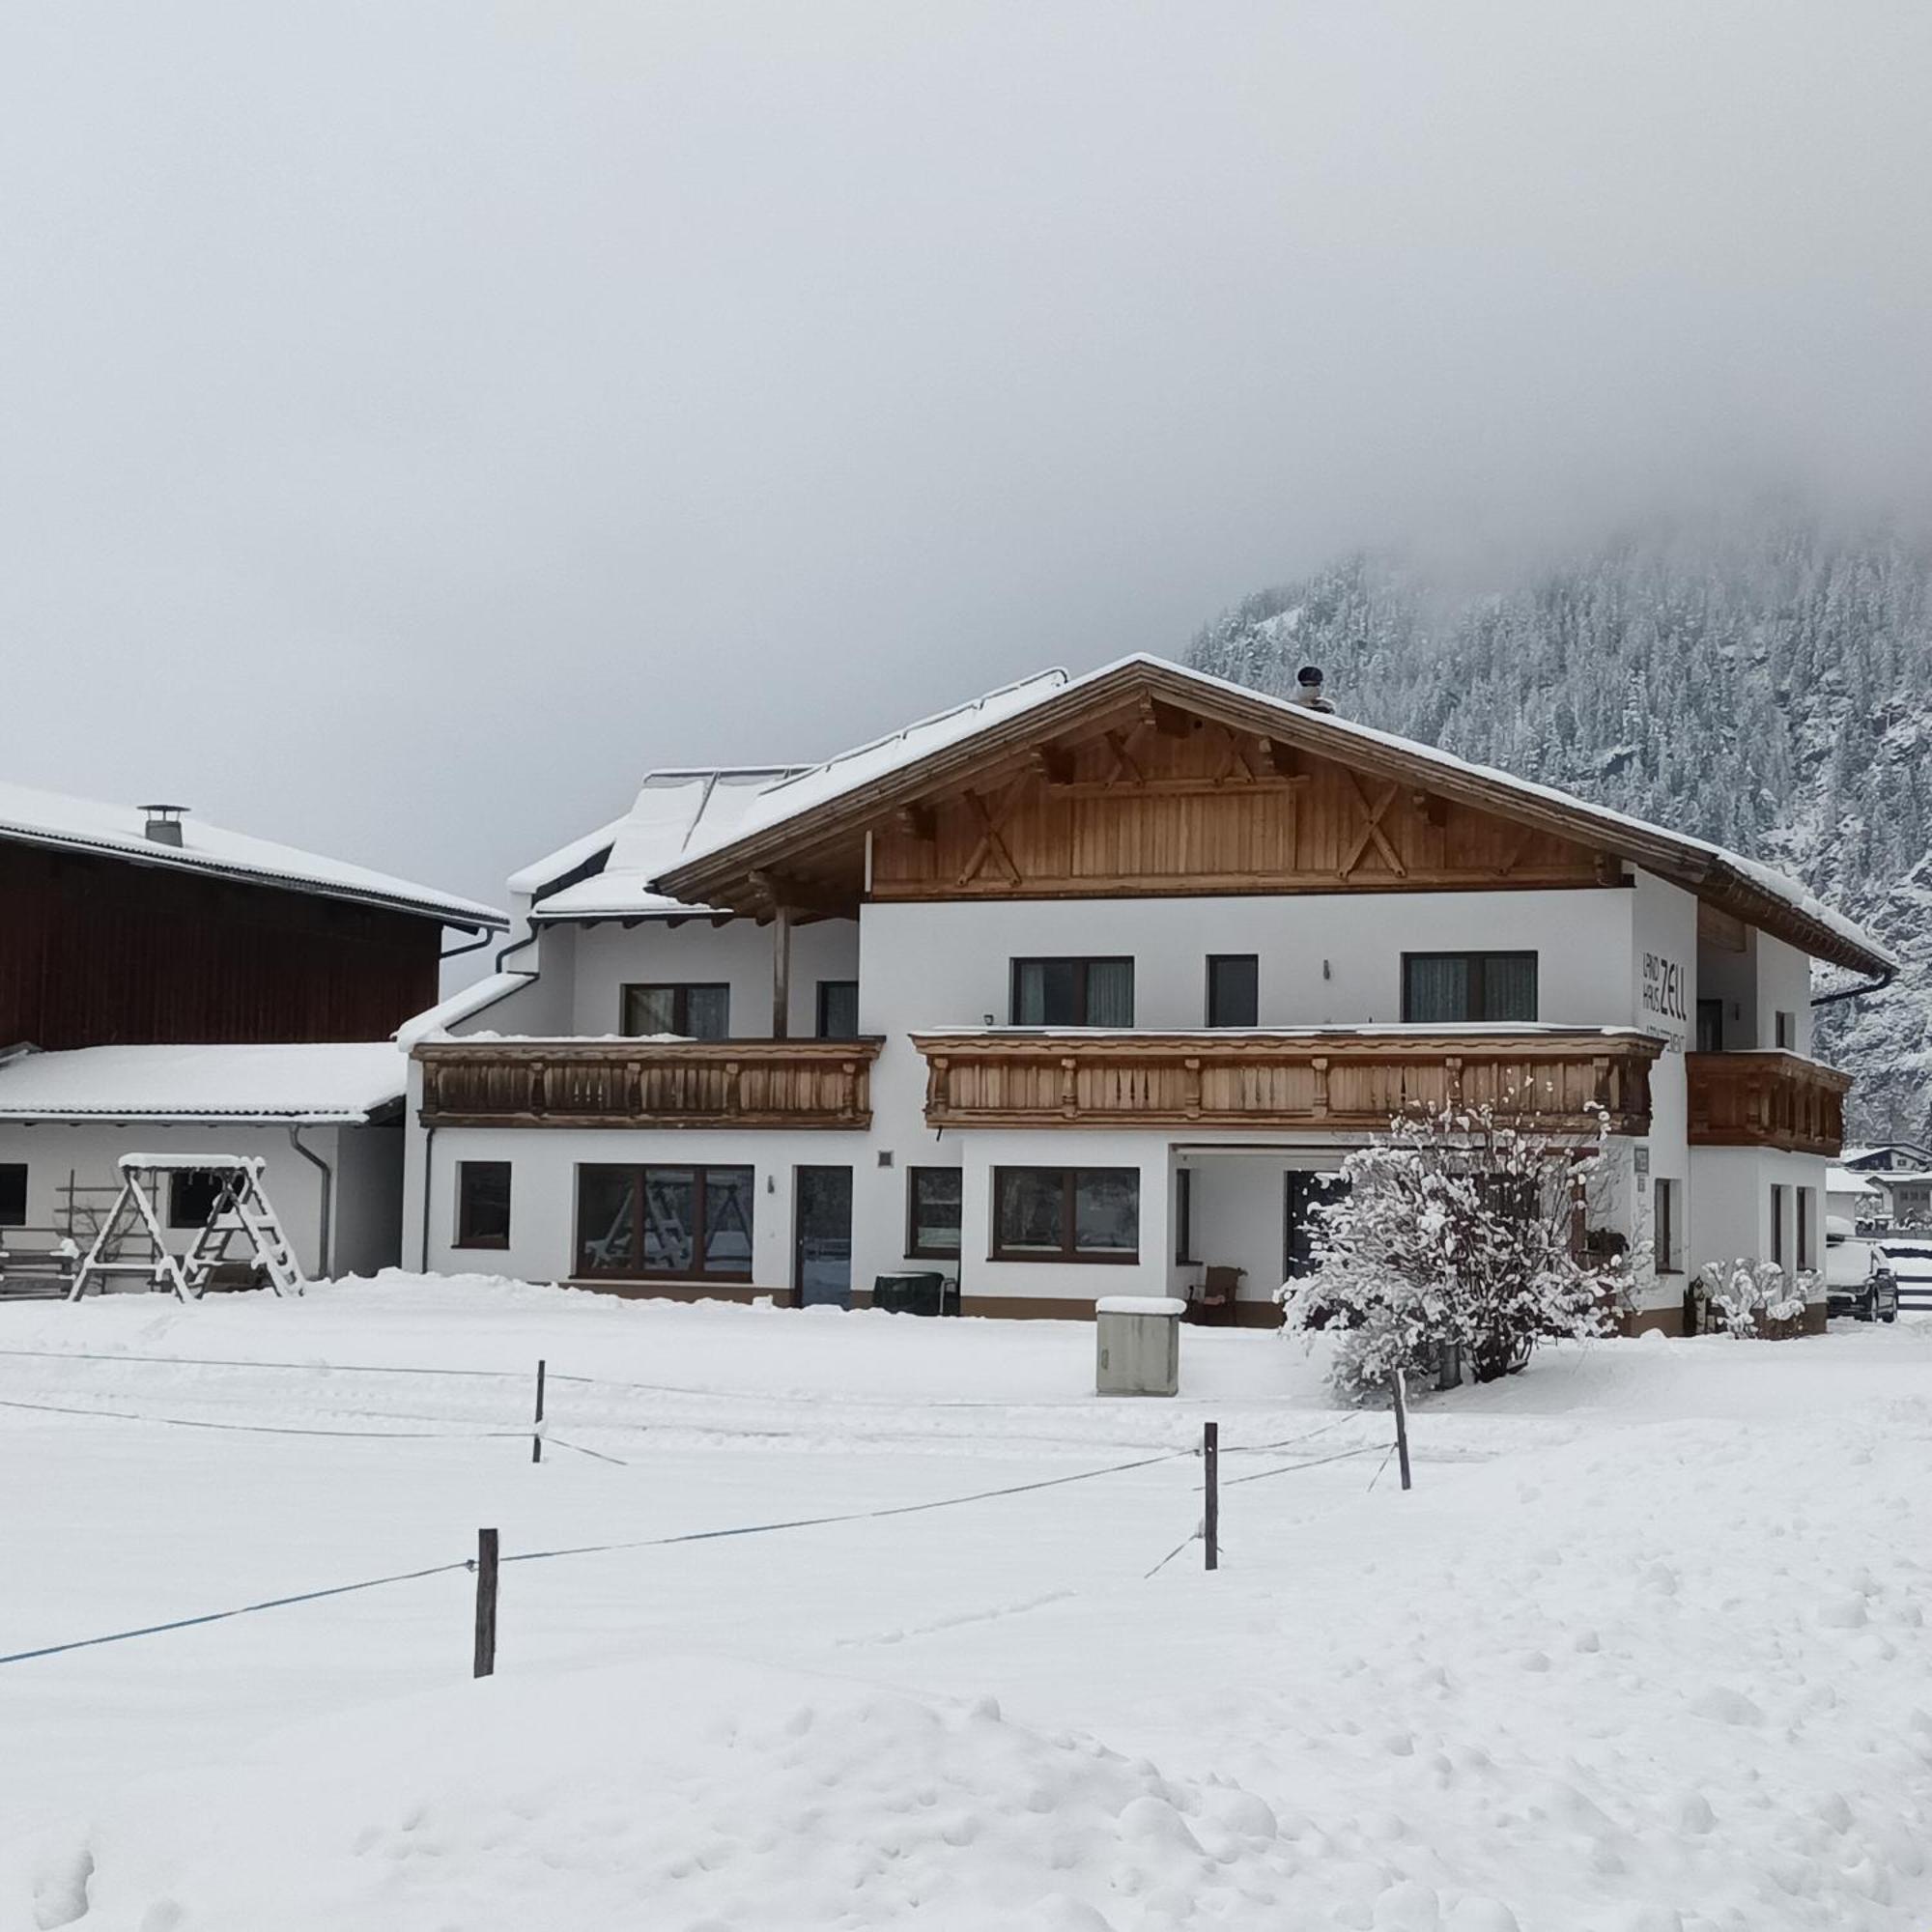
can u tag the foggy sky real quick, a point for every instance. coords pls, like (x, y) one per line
(417, 420)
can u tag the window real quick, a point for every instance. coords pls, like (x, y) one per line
(839, 1010)
(1183, 1217)
(1664, 1228)
(1067, 1214)
(692, 1013)
(1234, 990)
(670, 1223)
(12, 1194)
(483, 1204)
(1307, 1195)
(192, 1192)
(1785, 1031)
(1710, 1026)
(932, 1212)
(1452, 989)
(1073, 992)
(1803, 1195)
(1778, 1194)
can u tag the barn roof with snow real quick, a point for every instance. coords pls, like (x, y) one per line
(180, 841)
(299, 1084)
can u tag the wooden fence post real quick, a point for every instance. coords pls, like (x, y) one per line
(536, 1435)
(1210, 1481)
(1400, 1393)
(485, 1602)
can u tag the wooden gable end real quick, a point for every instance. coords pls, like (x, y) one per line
(1158, 800)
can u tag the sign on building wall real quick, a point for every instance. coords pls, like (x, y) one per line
(1664, 998)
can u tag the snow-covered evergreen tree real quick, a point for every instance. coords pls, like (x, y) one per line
(1766, 683)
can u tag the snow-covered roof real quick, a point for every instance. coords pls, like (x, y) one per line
(818, 791)
(318, 1084)
(672, 810)
(35, 817)
(478, 997)
(1842, 1180)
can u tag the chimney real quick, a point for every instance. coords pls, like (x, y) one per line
(1308, 689)
(164, 823)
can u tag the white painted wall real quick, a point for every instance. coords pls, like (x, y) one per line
(543, 1189)
(367, 1163)
(1732, 1190)
(607, 957)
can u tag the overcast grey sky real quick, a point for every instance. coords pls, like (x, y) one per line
(416, 420)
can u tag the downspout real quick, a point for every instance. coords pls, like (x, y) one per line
(429, 1172)
(476, 945)
(1877, 985)
(328, 1172)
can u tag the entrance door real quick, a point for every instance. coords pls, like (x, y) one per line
(822, 1237)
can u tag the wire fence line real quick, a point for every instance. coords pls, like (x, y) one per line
(672, 1540)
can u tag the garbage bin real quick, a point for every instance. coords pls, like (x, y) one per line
(909, 1293)
(1137, 1343)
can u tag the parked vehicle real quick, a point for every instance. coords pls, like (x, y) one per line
(1910, 1259)
(1858, 1278)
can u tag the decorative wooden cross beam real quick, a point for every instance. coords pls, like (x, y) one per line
(1372, 827)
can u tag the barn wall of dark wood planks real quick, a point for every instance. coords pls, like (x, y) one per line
(94, 951)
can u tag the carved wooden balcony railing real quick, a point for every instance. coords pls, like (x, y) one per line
(1766, 1099)
(622, 1083)
(1349, 1080)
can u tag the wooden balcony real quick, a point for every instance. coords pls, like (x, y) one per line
(1350, 1081)
(625, 1083)
(1766, 1099)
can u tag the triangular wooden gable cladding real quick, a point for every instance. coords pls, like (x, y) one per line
(1153, 798)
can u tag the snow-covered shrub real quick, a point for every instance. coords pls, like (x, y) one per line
(1755, 1297)
(1459, 1228)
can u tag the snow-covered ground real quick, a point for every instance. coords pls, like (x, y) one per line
(1644, 1648)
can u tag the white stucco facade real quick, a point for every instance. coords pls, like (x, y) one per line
(1624, 956)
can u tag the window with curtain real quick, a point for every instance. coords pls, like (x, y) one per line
(692, 1011)
(1462, 988)
(1067, 1214)
(1073, 992)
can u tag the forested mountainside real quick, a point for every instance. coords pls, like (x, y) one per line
(1767, 685)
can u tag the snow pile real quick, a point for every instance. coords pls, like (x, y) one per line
(686, 1795)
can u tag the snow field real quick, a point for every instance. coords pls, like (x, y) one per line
(1645, 1649)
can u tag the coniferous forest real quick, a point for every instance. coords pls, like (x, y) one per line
(1767, 683)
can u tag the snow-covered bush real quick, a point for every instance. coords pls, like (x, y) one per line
(1754, 1298)
(1459, 1228)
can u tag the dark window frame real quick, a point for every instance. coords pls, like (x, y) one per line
(1777, 1193)
(696, 1271)
(917, 1248)
(1478, 962)
(183, 1212)
(826, 986)
(1068, 1249)
(467, 1235)
(1665, 1257)
(1303, 1190)
(1253, 961)
(8, 1170)
(1784, 1030)
(1183, 1218)
(680, 991)
(1083, 996)
(1710, 1026)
